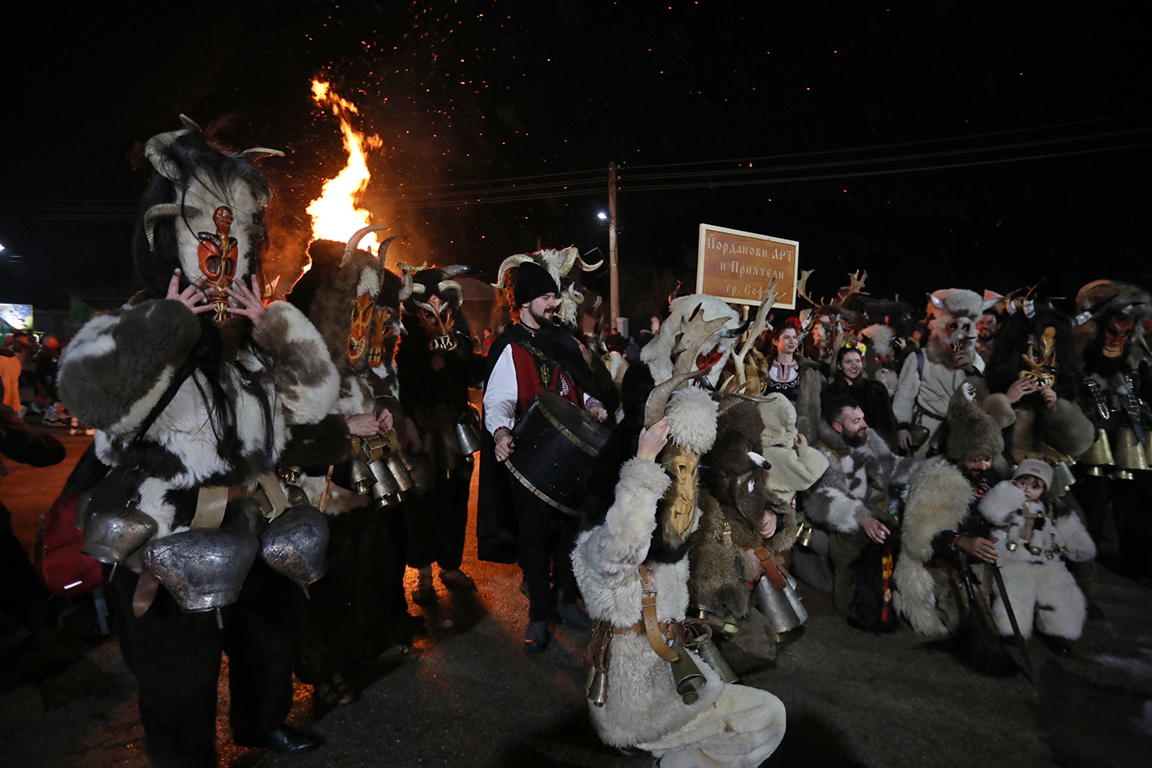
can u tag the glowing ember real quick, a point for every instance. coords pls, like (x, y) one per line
(336, 213)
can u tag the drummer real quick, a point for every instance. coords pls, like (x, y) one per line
(513, 525)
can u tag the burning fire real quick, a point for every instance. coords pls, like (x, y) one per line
(336, 214)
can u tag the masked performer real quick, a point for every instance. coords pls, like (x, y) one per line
(940, 519)
(435, 365)
(930, 378)
(192, 387)
(1115, 394)
(357, 610)
(514, 524)
(631, 560)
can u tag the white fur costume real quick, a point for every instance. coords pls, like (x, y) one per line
(731, 726)
(1039, 587)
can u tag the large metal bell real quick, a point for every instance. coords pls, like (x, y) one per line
(468, 435)
(294, 544)
(361, 475)
(111, 535)
(385, 489)
(782, 607)
(204, 569)
(399, 471)
(1129, 453)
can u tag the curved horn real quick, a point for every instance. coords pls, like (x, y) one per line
(257, 153)
(382, 251)
(406, 288)
(156, 146)
(570, 256)
(155, 213)
(445, 285)
(938, 303)
(658, 397)
(586, 267)
(507, 264)
(738, 331)
(353, 241)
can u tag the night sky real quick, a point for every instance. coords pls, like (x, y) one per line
(934, 144)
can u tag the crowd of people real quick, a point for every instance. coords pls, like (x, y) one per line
(662, 494)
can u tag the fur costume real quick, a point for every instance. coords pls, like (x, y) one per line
(930, 377)
(1115, 395)
(1039, 585)
(878, 363)
(236, 389)
(733, 503)
(729, 725)
(940, 499)
(559, 264)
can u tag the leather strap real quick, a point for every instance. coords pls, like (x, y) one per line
(275, 494)
(211, 501)
(145, 592)
(651, 625)
(773, 572)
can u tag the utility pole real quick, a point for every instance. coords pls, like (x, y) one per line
(613, 265)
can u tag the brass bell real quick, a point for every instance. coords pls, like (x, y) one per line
(1100, 453)
(291, 475)
(804, 534)
(686, 676)
(1012, 546)
(1049, 554)
(1129, 453)
(1034, 550)
(361, 476)
(596, 686)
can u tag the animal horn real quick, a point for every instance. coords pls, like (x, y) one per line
(458, 269)
(257, 153)
(353, 241)
(507, 264)
(936, 302)
(163, 210)
(447, 285)
(382, 251)
(692, 340)
(570, 256)
(156, 146)
(658, 398)
(585, 266)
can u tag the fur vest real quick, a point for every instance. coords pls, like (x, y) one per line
(857, 481)
(121, 363)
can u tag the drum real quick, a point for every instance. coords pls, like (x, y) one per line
(556, 445)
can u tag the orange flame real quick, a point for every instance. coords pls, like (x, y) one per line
(336, 214)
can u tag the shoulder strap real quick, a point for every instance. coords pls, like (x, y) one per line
(651, 625)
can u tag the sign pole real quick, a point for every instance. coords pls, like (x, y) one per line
(613, 266)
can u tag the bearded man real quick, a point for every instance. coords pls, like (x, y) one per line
(852, 499)
(513, 524)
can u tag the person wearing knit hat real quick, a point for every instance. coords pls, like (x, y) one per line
(513, 525)
(1034, 534)
(940, 518)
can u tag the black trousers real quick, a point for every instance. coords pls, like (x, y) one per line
(1129, 505)
(546, 539)
(438, 522)
(175, 657)
(22, 593)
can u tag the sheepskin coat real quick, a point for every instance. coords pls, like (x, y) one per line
(857, 480)
(729, 725)
(939, 498)
(922, 397)
(120, 364)
(1042, 591)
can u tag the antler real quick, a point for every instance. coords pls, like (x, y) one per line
(856, 281)
(757, 329)
(697, 331)
(802, 286)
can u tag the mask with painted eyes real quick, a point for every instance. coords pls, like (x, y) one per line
(1116, 336)
(436, 318)
(1040, 358)
(358, 333)
(381, 335)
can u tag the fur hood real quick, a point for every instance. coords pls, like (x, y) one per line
(938, 500)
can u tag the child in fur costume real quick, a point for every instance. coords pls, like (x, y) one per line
(739, 529)
(648, 520)
(1035, 534)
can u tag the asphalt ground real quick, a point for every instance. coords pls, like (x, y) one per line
(474, 698)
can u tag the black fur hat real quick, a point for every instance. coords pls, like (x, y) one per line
(532, 282)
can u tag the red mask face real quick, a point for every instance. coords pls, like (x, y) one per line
(217, 254)
(381, 331)
(1116, 335)
(358, 335)
(436, 319)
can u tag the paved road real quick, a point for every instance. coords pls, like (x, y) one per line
(475, 699)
